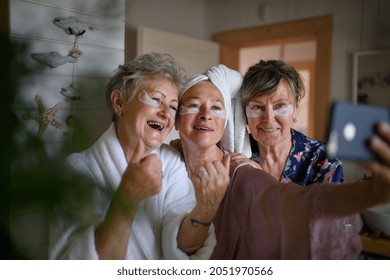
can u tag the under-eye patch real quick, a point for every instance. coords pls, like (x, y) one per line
(281, 112)
(144, 98)
(183, 110)
(195, 110)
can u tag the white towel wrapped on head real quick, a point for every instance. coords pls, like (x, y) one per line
(228, 81)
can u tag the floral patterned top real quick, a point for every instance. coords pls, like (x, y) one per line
(307, 162)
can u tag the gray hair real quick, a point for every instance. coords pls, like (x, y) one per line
(264, 78)
(129, 76)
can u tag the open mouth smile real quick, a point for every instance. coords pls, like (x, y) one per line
(156, 125)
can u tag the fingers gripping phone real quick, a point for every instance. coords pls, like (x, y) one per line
(350, 127)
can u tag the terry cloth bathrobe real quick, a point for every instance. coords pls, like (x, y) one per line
(157, 220)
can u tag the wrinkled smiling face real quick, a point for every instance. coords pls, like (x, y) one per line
(270, 117)
(202, 116)
(150, 115)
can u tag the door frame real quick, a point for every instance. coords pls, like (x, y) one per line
(317, 28)
(308, 66)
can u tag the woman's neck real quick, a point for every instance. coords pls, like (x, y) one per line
(273, 158)
(196, 157)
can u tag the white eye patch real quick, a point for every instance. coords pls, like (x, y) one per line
(188, 110)
(147, 100)
(195, 110)
(282, 112)
(144, 98)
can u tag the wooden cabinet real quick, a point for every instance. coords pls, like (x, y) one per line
(377, 246)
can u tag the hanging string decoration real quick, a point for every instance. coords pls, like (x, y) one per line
(77, 28)
(47, 116)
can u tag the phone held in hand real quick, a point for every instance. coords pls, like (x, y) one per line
(350, 127)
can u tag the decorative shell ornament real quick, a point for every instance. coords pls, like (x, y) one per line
(45, 116)
(76, 53)
(53, 59)
(69, 93)
(73, 25)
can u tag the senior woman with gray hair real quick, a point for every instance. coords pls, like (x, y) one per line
(143, 202)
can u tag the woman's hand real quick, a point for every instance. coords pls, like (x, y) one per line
(210, 184)
(177, 145)
(380, 145)
(238, 158)
(140, 179)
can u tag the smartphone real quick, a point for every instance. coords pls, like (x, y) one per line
(350, 127)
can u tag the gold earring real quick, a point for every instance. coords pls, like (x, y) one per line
(247, 129)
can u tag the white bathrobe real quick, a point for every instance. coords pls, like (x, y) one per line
(157, 220)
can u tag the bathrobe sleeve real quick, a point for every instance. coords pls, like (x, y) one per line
(74, 237)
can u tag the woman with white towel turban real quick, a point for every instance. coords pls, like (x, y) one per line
(143, 202)
(259, 217)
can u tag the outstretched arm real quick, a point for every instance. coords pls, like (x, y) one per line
(357, 196)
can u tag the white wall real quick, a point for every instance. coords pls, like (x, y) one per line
(185, 17)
